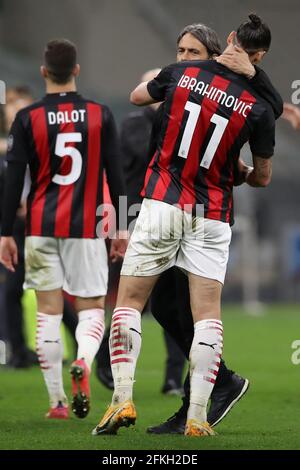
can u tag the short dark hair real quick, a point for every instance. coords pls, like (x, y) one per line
(254, 35)
(207, 36)
(60, 59)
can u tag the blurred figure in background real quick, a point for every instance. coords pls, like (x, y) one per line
(291, 113)
(3, 328)
(17, 98)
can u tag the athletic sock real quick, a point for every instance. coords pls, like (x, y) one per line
(125, 344)
(205, 356)
(89, 334)
(50, 353)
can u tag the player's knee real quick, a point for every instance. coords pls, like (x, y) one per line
(89, 303)
(50, 302)
(48, 309)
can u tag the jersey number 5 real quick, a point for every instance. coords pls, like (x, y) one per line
(221, 124)
(61, 150)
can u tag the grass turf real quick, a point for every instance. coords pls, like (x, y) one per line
(268, 417)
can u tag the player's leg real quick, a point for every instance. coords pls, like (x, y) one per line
(148, 255)
(204, 255)
(44, 274)
(206, 350)
(125, 345)
(89, 334)
(86, 274)
(49, 348)
(125, 337)
(229, 386)
(90, 328)
(146, 258)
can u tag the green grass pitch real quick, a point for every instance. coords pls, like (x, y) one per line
(268, 417)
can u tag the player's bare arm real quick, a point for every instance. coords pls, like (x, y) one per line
(261, 174)
(237, 60)
(140, 95)
(119, 245)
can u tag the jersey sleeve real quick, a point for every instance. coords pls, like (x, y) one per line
(262, 139)
(158, 86)
(17, 143)
(264, 87)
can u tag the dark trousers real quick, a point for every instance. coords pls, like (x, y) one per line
(14, 293)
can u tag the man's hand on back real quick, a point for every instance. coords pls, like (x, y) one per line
(237, 60)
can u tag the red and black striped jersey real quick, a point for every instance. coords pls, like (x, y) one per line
(68, 142)
(209, 114)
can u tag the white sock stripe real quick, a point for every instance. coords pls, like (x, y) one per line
(213, 372)
(219, 330)
(95, 333)
(98, 322)
(93, 314)
(91, 335)
(207, 327)
(117, 323)
(45, 318)
(209, 322)
(117, 343)
(126, 310)
(96, 329)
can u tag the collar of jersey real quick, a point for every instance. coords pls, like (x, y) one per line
(61, 95)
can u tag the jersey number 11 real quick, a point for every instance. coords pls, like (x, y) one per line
(221, 124)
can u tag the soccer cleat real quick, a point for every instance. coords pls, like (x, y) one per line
(174, 425)
(123, 414)
(60, 411)
(222, 401)
(80, 388)
(225, 397)
(197, 429)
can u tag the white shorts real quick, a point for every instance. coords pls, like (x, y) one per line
(78, 266)
(166, 236)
